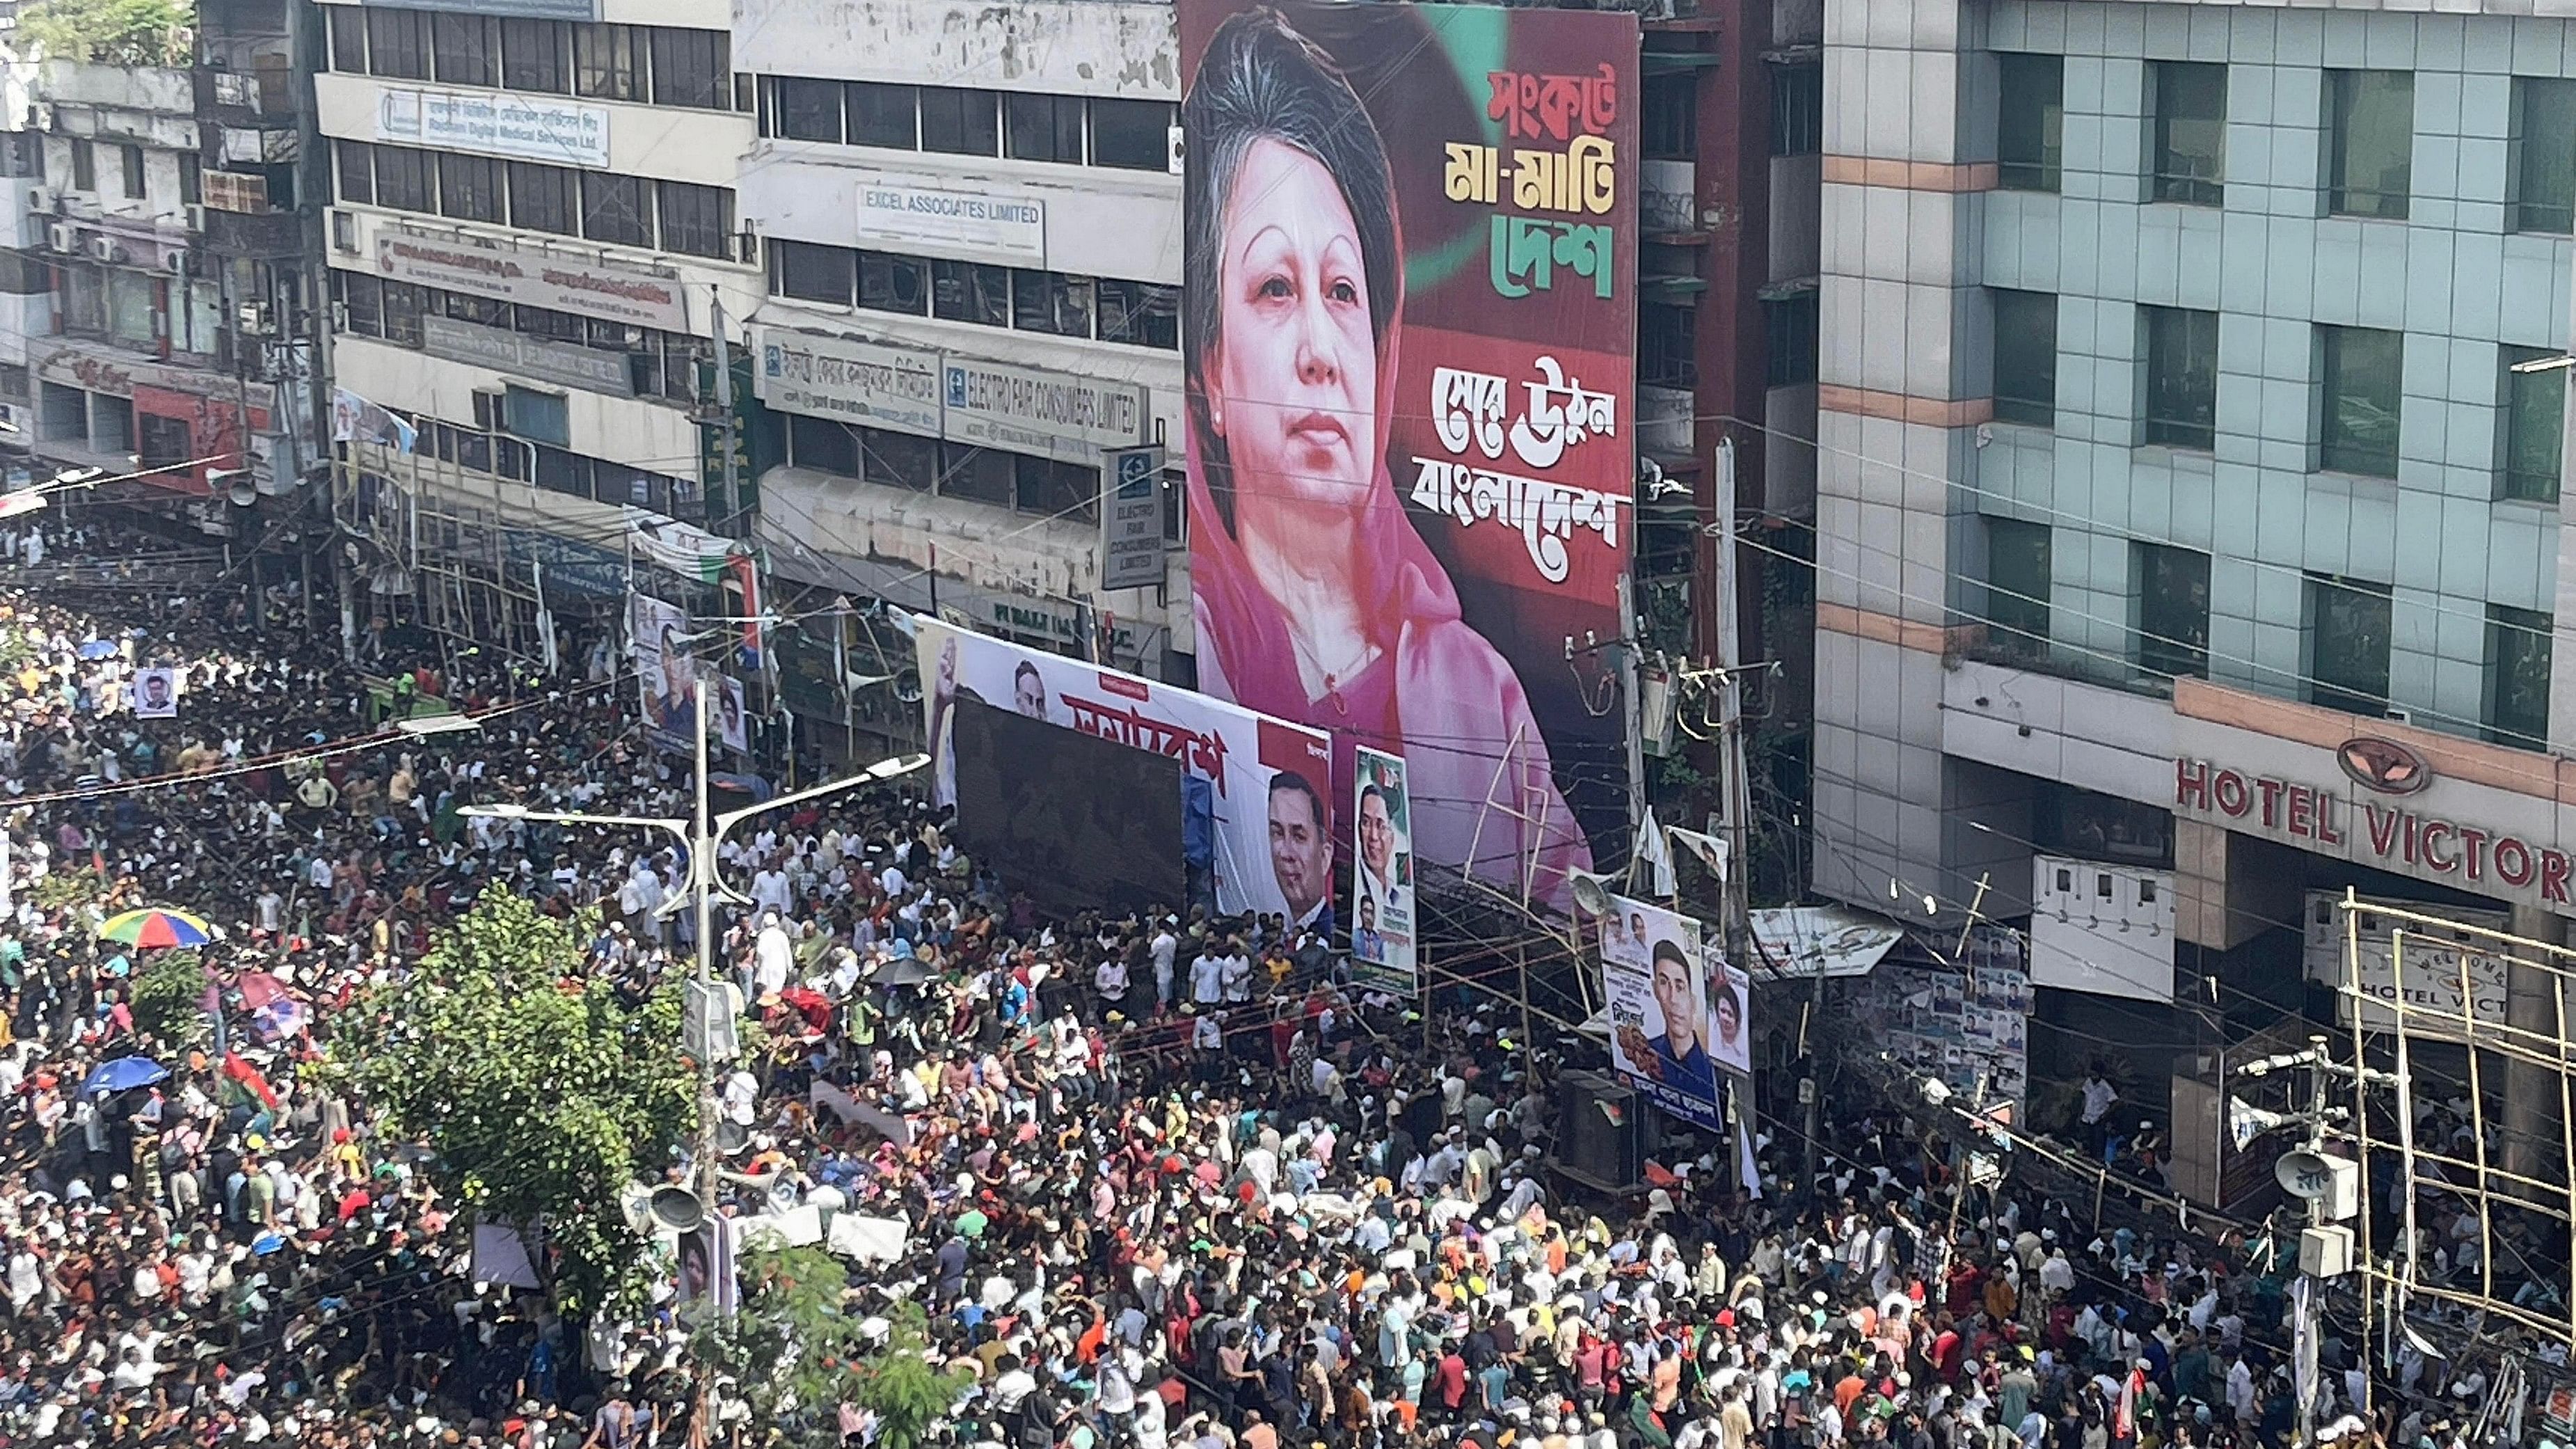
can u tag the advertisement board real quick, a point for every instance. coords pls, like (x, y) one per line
(1131, 519)
(666, 676)
(586, 368)
(1268, 824)
(984, 221)
(1408, 339)
(852, 382)
(496, 123)
(1382, 919)
(945, 395)
(1652, 976)
(2452, 978)
(504, 273)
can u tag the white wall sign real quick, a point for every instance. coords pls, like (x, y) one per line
(496, 123)
(507, 273)
(2438, 964)
(943, 395)
(1000, 222)
(1131, 519)
(583, 367)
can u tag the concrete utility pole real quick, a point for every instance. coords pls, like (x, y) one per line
(699, 836)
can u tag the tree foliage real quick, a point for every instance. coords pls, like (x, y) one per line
(170, 998)
(542, 1094)
(110, 32)
(795, 1354)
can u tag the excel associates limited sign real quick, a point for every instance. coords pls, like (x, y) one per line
(2377, 803)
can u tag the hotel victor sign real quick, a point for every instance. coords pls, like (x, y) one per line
(2378, 815)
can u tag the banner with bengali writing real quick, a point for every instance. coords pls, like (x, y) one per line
(1409, 334)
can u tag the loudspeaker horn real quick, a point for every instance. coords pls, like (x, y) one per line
(907, 686)
(1591, 892)
(678, 1210)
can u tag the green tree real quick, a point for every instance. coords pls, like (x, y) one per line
(170, 998)
(541, 1092)
(795, 1354)
(110, 32)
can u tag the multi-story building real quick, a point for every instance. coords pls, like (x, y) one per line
(2188, 541)
(532, 226)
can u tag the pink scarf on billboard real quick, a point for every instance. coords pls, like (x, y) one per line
(1476, 768)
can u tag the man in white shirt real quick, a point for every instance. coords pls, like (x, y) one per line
(1164, 947)
(1207, 977)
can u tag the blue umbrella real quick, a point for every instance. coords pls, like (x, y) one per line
(97, 649)
(123, 1074)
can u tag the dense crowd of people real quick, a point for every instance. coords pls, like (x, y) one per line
(1167, 1181)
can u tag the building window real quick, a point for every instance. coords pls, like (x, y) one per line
(1051, 489)
(2347, 644)
(2182, 377)
(2026, 357)
(2191, 132)
(2173, 610)
(84, 165)
(402, 179)
(1135, 135)
(2030, 123)
(2361, 368)
(883, 115)
(1789, 341)
(2517, 685)
(348, 38)
(2534, 424)
(404, 303)
(469, 187)
(357, 172)
(696, 220)
(542, 198)
(1051, 302)
(612, 209)
(537, 416)
(604, 67)
(960, 122)
(192, 180)
(2016, 589)
(363, 297)
(398, 43)
(811, 273)
(692, 68)
(2370, 123)
(1141, 313)
(823, 445)
(1667, 346)
(468, 54)
(1797, 109)
(900, 460)
(1668, 122)
(892, 283)
(1044, 127)
(984, 475)
(533, 56)
(804, 110)
(2540, 160)
(970, 292)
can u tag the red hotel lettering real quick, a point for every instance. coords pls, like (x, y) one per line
(2442, 864)
(2512, 861)
(2191, 783)
(2233, 798)
(2553, 877)
(2473, 852)
(2303, 804)
(2271, 793)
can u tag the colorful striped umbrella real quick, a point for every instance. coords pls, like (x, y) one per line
(155, 926)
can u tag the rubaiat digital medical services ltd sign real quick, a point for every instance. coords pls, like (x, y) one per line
(2378, 815)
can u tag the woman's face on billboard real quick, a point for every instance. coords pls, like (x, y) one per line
(1294, 381)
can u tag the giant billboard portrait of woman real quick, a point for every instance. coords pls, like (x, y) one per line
(1315, 598)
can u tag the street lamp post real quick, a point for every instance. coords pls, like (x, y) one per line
(699, 836)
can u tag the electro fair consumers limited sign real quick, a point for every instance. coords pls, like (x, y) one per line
(2383, 833)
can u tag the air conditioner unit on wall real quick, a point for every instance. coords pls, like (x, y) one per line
(39, 199)
(105, 248)
(62, 238)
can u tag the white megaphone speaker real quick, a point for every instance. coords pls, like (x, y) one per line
(678, 1210)
(233, 483)
(1591, 892)
(907, 686)
(636, 1203)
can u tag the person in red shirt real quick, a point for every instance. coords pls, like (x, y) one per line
(1449, 1382)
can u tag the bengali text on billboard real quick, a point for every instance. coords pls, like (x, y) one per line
(1383, 937)
(1409, 318)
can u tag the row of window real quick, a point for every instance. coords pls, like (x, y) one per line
(600, 206)
(2345, 626)
(1042, 487)
(2369, 119)
(652, 64)
(1668, 343)
(129, 169)
(487, 446)
(1025, 126)
(2359, 373)
(659, 364)
(1143, 314)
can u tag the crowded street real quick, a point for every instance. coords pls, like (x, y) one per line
(1135, 1181)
